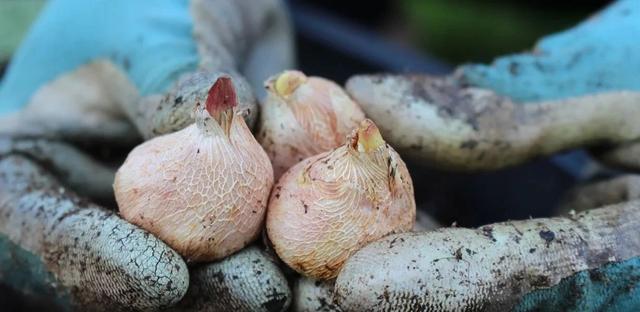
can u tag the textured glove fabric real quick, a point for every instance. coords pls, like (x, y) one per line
(58, 247)
(612, 287)
(601, 54)
(598, 55)
(245, 281)
(151, 41)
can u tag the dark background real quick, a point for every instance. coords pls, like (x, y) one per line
(434, 32)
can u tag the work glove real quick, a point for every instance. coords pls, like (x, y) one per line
(576, 88)
(86, 68)
(592, 194)
(57, 247)
(588, 261)
(103, 75)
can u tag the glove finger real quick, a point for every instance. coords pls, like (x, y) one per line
(224, 32)
(245, 281)
(80, 106)
(244, 32)
(624, 156)
(55, 244)
(161, 114)
(490, 268)
(448, 125)
(254, 30)
(72, 167)
(613, 191)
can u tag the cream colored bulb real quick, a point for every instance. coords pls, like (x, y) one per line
(325, 208)
(304, 116)
(204, 189)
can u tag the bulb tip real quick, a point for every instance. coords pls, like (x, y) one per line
(287, 82)
(368, 137)
(222, 96)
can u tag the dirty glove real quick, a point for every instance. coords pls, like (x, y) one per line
(57, 247)
(580, 262)
(85, 67)
(593, 194)
(577, 88)
(107, 73)
(311, 295)
(584, 262)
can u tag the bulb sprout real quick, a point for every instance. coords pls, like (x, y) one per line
(287, 82)
(221, 101)
(367, 137)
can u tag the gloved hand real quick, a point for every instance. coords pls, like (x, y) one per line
(58, 248)
(106, 73)
(84, 66)
(577, 88)
(584, 262)
(580, 262)
(589, 195)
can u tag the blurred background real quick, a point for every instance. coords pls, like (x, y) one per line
(336, 39)
(423, 35)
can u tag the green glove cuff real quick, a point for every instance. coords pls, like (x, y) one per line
(612, 287)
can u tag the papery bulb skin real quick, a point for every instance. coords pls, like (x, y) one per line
(326, 207)
(204, 189)
(304, 116)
